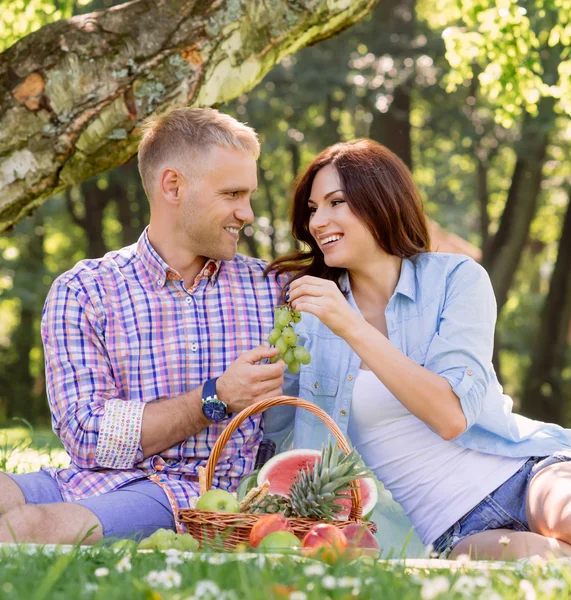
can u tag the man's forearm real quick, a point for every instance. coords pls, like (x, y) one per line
(170, 421)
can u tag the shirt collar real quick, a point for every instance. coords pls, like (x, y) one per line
(406, 284)
(407, 280)
(159, 271)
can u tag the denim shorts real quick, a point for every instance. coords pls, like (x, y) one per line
(135, 510)
(504, 508)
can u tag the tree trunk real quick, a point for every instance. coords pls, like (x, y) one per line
(73, 94)
(392, 128)
(544, 395)
(502, 253)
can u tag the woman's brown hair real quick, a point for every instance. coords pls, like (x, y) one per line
(378, 188)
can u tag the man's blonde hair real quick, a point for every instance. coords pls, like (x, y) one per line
(189, 132)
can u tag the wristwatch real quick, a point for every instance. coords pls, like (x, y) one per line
(213, 408)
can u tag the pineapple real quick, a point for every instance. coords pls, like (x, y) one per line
(272, 504)
(313, 493)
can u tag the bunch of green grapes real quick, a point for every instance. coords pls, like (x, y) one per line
(164, 539)
(284, 338)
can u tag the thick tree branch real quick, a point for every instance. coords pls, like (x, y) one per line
(73, 94)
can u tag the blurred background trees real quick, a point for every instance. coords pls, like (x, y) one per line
(474, 96)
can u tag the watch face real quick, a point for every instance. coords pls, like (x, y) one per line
(215, 410)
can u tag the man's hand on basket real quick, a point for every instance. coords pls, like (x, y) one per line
(245, 382)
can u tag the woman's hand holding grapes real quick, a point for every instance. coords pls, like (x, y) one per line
(322, 298)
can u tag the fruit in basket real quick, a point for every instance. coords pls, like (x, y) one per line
(218, 501)
(315, 484)
(246, 484)
(360, 540)
(284, 338)
(325, 541)
(280, 540)
(266, 525)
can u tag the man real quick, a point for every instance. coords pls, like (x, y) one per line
(134, 341)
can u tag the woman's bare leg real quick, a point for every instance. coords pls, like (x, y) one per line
(549, 502)
(522, 544)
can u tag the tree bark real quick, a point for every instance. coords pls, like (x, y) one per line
(392, 128)
(73, 94)
(502, 253)
(544, 394)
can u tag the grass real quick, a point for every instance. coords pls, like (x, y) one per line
(24, 448)
(102, 573)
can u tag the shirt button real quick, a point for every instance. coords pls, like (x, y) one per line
(316, 385)
(343, 412)
(469, 372)
(350, 378)
(188, 300)
(194, 347)
(159, 282)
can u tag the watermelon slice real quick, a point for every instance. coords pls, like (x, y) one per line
(281, 471)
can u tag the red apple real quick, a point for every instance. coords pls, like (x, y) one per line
(360, 540)
(325, 541)
(268, 524)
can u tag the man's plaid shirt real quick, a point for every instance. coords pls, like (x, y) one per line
(122, 331)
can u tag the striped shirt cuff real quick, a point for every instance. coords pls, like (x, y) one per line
(120, 434)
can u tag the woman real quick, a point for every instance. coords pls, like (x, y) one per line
(401, 342)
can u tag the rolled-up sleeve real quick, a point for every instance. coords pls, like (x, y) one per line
(461, 349)
(97, 427)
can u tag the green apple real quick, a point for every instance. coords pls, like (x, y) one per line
(218, 501)
(280, 540)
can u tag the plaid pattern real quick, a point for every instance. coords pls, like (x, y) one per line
(122, 331)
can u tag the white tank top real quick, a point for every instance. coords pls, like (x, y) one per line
(434, 480)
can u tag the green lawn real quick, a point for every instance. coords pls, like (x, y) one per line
(101, 573)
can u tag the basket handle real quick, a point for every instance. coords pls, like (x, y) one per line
(261, 406)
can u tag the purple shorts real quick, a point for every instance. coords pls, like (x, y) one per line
(135, 510)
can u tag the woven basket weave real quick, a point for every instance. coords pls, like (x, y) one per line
(229, 529)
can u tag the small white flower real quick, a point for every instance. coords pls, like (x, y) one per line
(167, 578)
(482, 581)
(298, 596)
(548, 586)
(101, 572)
(124, 564)
(464, 585)
(214, 559)
(527, 588)
(329, 582)
(317, 570)
(90, 587)
(173, 560)
(504, 540)
(206, 589)
(310, 586)
(348, 582)
(431, 588)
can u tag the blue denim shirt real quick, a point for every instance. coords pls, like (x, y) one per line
(442, 315)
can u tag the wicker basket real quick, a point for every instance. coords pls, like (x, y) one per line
(229, 529)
